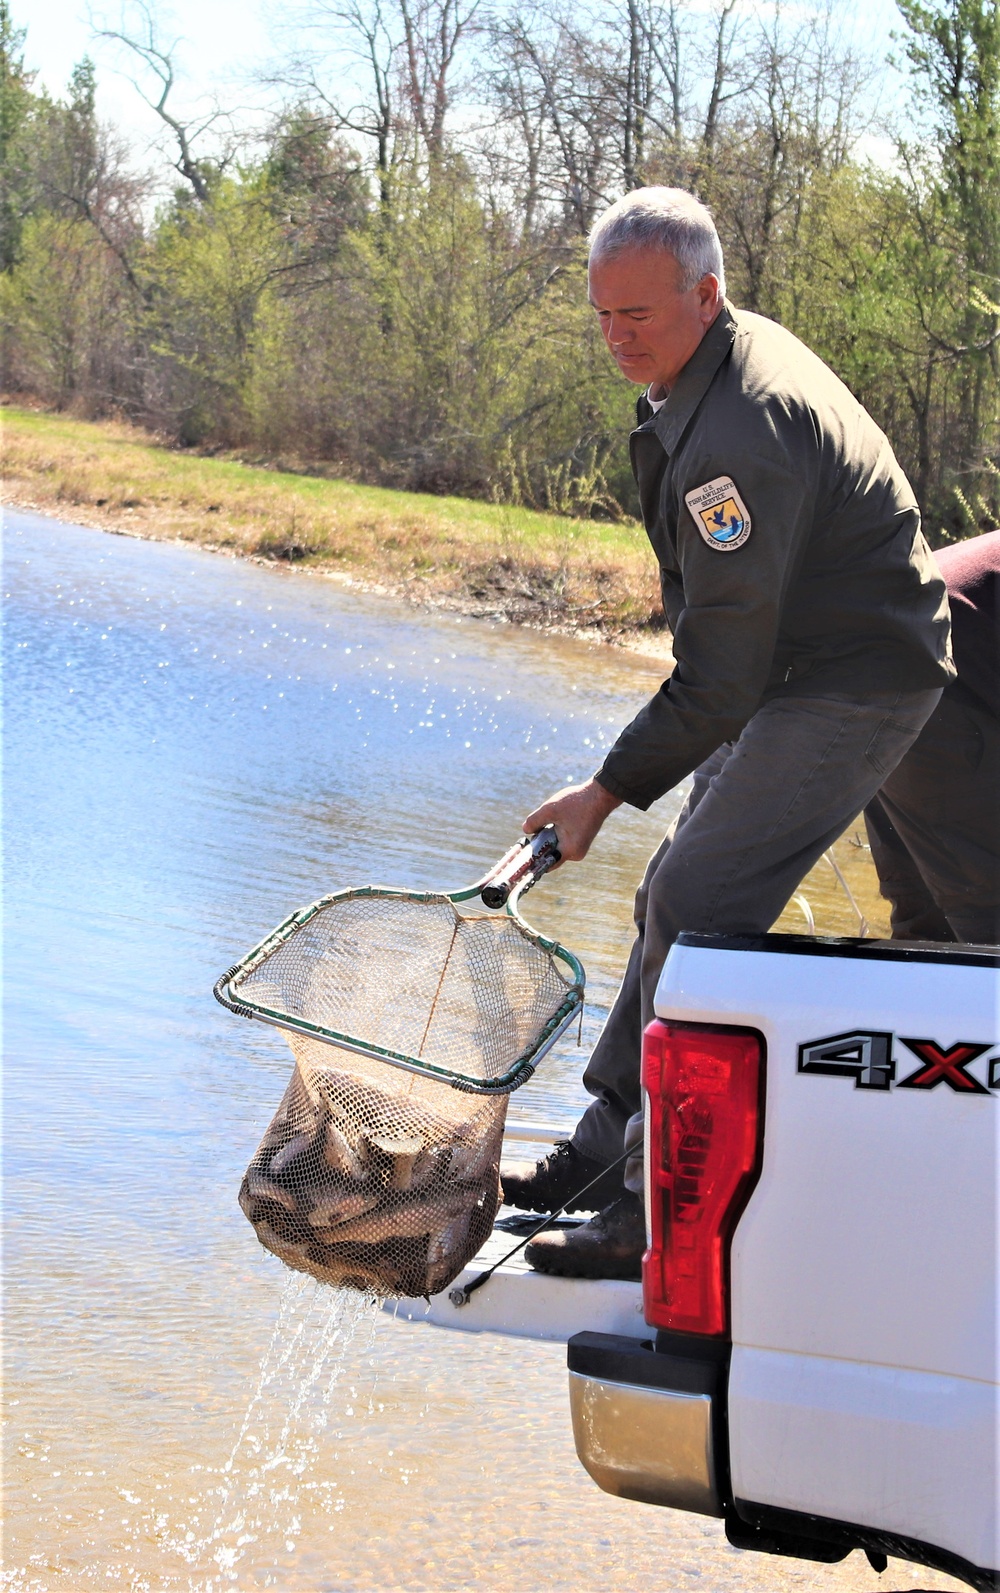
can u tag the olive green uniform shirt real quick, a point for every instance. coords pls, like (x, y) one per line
(790, 552)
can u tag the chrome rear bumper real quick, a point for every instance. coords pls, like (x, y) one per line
(646, 1423)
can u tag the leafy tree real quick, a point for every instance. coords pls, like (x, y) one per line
(17, 105)
(317, 188)
(954, 50)
(212, 266)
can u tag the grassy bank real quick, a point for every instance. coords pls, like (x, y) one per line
(487, 559)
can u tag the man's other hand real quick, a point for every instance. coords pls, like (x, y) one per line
(577, 812)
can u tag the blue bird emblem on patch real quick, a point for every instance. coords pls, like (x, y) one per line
(724, 523)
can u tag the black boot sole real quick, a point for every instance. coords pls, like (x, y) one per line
(623, 1272)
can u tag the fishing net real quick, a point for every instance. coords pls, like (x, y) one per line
(375, 1182)
(411, 1018)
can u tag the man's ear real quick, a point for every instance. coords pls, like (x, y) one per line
(709, 297)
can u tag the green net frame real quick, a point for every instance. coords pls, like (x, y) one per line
(527, 1020)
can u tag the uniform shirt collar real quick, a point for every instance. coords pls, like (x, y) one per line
(669, 420)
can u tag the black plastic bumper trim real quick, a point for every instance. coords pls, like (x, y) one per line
(776, 1531)
(615, 1359)
(694, 1346)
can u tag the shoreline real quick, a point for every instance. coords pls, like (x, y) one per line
(649, 646)
(590, 582)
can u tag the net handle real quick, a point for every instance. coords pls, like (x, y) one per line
(518, 870)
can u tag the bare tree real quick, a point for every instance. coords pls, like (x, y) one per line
(143, 42)
(663, 24)
(402, 56)
(719, 95)
(638, 85)
(514, 150)
(366, 33)
(550, 63)
(433, 31)
(768, 105)
(591, 96)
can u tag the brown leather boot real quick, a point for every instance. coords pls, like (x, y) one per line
(610, 1245)
(557, 1179)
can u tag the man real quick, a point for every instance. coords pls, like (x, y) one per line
(934, 826)
(810, 633)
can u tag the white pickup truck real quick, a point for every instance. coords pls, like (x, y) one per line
(814, 1352)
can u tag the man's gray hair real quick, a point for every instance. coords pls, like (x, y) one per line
(662, 218)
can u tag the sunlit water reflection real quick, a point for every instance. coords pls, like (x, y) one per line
(194, 747)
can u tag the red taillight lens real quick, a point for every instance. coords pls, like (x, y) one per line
(703, 1088)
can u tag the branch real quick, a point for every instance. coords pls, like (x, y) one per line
(160, 61)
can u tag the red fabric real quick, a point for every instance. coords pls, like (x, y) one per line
(972, 573)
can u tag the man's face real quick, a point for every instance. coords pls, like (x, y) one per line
(650, 326)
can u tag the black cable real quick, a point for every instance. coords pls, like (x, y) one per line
(460, 1297)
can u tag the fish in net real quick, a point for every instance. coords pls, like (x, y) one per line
(412, 1016)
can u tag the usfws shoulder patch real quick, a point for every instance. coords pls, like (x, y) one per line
(720, 514)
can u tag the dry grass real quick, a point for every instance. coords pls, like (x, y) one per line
(487, 559)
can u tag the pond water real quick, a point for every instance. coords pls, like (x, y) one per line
(195, 746)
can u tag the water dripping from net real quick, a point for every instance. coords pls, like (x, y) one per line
(270, 1477)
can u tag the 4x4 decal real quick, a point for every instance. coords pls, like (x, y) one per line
(866, 1057)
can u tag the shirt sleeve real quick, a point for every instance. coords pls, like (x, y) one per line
(726, 632)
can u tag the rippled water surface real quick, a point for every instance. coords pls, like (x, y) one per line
(194, 747)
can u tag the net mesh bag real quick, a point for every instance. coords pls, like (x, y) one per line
(411, 1021)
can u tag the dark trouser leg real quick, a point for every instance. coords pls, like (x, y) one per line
(762, 812)
(915, 914)
(935, 828)
(614, 1086)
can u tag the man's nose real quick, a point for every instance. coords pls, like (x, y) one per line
(619, 332)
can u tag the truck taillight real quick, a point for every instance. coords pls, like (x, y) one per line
(703, 1088)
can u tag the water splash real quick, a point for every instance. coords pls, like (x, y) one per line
(270, 1474)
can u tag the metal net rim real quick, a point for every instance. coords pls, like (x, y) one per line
(227, 989)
